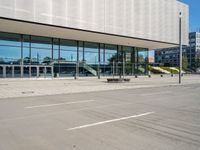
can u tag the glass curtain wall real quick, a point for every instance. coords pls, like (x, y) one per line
(32, 56)
(110, 60)
(10, 54)
(142, 61)
(41, 55)
(10, 48)
(26, 55)
(67, 58)
(128, 54)
(90, 59)
(56, 57)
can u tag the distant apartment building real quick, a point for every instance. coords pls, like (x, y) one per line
(193, 51)
(170, 56)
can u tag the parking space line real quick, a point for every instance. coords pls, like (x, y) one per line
(109, 121)
(58, 104)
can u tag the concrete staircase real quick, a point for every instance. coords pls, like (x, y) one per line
(88, 68)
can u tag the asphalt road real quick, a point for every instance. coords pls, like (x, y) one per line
(165, 118)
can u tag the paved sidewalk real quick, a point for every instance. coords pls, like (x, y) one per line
(34, 87)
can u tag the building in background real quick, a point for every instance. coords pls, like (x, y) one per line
(170, 56)
(193, 51)
(151, 59)
(69, 38)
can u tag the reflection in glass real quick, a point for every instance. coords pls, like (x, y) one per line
(128, 60)
(41, 50)
(61, 54)
(110, 60)
(26, 50)
(68, 58)
(10, 48)
(91, 59)
(142, 61)
(17, 71)
(68, 50)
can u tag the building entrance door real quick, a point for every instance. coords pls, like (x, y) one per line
(45, 71)
(49, 71)
(26, 71)
(1, 71)
(9, 71)
(33, 71)
(17, 71)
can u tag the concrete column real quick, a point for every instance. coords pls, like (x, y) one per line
(13, 71)
(4, 71)
(45, 71)
(22, 71)
(52, 72)
(77, 70)
(77, 62)
(38, 71)
(98, 71)
(123, 65)
(30, 71)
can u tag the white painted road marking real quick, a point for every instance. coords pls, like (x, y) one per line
(156, 93)
(109, 121)
(58, 104)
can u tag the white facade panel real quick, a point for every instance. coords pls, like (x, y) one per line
(146, 19)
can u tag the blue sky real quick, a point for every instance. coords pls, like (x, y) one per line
(194, 14)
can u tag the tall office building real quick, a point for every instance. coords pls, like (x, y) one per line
(85, 37)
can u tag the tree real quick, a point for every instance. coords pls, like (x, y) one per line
(185, 63)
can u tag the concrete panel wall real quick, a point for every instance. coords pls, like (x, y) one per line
(148, 19)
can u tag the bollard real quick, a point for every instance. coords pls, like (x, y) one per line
(136, 76)
(161, 75)
(172, 75)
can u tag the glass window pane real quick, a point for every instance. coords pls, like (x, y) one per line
(91, 53)
(10, 48)
(41, 50)
(40, 56)
(41, 42)
(68, 50)
(10, 39)
(10, 55)
(110, 60)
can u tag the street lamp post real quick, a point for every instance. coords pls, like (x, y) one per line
(180, 45)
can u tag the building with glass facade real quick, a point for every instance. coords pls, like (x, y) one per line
(170, 56)
(76, 38)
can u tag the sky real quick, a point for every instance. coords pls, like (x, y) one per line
(194, 6)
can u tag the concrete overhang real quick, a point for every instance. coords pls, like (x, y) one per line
(40, 29)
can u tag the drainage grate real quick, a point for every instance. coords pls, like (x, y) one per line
(28, 92)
